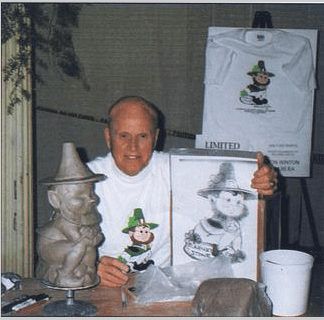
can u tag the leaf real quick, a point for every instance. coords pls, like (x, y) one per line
(39, 27)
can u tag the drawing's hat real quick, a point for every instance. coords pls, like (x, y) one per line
(71, 169)
(260, 68)
(225, 181)
(138, 220)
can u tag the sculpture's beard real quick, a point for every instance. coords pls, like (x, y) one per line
(93, 217)
(90, 218)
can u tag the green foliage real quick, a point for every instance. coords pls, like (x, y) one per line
(43, 32)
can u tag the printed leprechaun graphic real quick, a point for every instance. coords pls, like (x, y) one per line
(138, 255)
(255, 93)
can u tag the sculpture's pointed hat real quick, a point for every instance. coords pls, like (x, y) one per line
(71, 169)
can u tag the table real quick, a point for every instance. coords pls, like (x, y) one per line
(107, 300)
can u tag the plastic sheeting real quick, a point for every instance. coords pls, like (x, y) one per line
(178, 282)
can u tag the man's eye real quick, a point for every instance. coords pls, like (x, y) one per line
(124, 135)
(143, 136)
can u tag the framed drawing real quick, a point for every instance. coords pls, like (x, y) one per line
(214, 211)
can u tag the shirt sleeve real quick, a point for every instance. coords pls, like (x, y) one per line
(218, 61)
(300, 69)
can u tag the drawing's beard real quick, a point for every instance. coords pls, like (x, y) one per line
(223, 216)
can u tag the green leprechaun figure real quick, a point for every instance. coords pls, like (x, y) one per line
(137, 255)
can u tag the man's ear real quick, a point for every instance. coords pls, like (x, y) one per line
(54, 199)
(107, 136)
(157, 132)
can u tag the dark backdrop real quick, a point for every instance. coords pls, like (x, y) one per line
(157, 51)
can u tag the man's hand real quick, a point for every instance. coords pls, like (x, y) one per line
(265, 179)
(112, 272)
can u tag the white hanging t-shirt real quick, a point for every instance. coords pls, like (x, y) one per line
(230, 56)
(120, 194)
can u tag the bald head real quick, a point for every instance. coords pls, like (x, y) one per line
(133, 106)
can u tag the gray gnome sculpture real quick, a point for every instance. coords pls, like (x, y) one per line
(67, 245)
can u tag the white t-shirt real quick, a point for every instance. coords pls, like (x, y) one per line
(231, 55)
(120, 194)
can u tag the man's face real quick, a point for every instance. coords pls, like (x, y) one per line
(131, 137)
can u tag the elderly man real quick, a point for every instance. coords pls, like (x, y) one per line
(138, 177)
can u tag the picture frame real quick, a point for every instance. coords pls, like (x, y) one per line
(214, 211)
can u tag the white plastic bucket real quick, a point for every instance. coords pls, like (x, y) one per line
(287, 274)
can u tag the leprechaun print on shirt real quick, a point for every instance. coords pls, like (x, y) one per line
(255, 93)
(138, 255)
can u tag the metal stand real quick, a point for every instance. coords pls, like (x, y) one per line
(70, 307)
(262, 19)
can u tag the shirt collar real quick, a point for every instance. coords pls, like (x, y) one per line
(131, 179)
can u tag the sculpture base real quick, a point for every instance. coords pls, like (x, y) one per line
(70, 307)
(62, 309)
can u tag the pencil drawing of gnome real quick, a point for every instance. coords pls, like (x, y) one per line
(66, 245)
(220, 235)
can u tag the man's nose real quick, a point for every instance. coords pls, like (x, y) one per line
(133, 144)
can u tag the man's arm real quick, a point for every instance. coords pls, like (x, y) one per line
(265, 179)
(112, 272)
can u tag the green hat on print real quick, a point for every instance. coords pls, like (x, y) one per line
(260, 68)
(138, 220)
